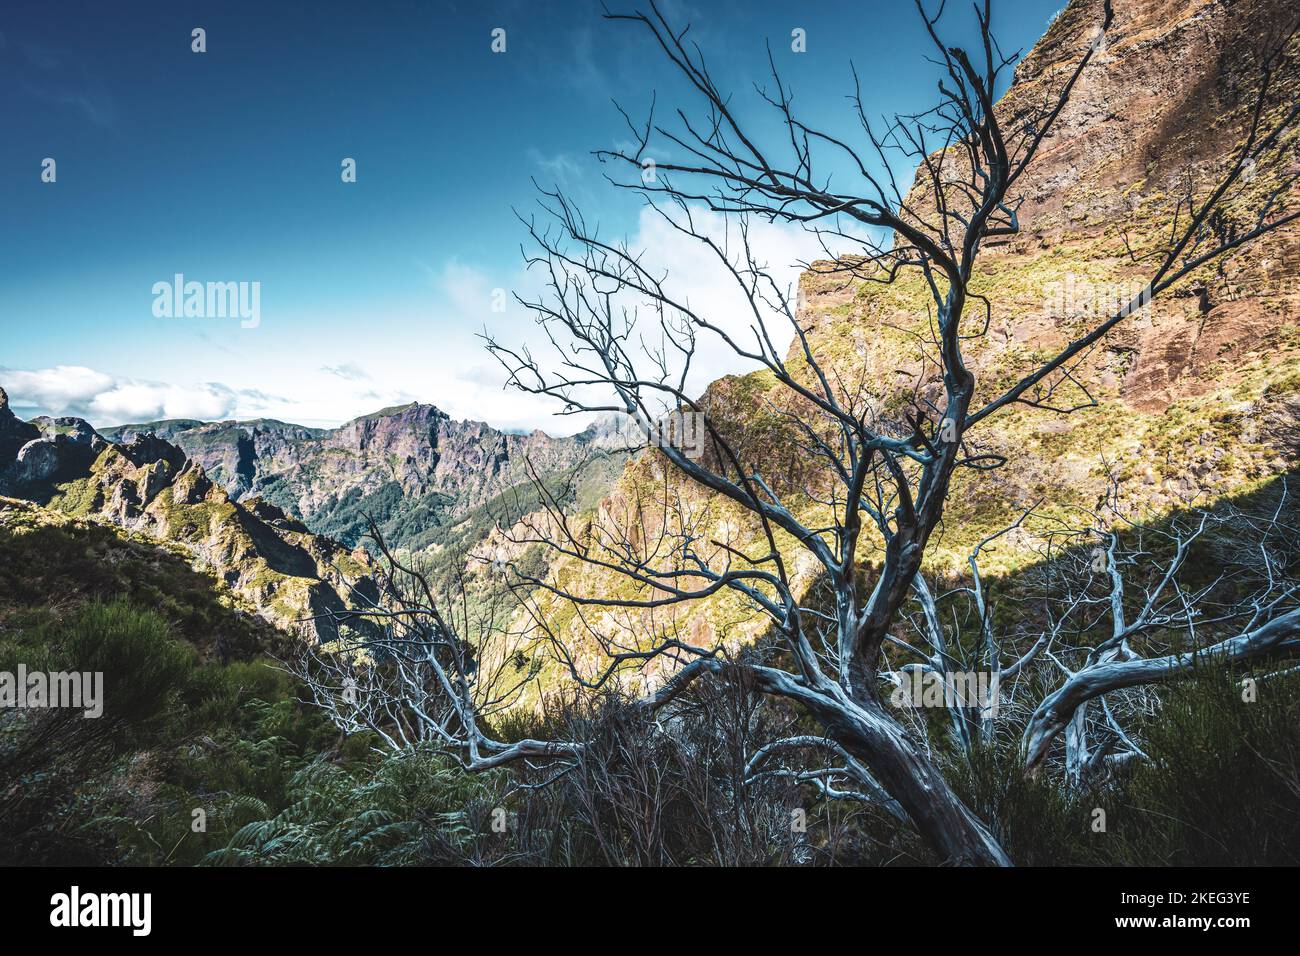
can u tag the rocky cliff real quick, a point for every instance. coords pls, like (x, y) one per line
(1195, 396)
(149, 488)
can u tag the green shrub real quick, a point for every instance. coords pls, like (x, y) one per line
(1222, 786)
(48, 754)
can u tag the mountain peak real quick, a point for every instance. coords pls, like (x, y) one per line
(409, 410)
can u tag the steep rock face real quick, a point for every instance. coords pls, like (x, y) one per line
(1168, 101)
(1164, 102)
(1196, 393)
(14, 433)
(413, 466)
(43, 450)
(1164, 91)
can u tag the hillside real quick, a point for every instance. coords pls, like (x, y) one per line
(52, 561)
(149, 489)
(1193, 399)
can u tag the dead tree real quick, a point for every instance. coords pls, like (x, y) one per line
(951, 637)
(428, 678)
(881, 477)
(1129, 584)
(873, 484)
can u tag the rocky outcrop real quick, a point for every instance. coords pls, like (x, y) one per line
(147, 486)
(290, 575)
(14, 433)
(35, 453)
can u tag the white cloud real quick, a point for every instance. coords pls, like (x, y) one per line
(348, 371)
(134, 402)
(105, 399)
(558, 167)
(468, 290)
(64, 389)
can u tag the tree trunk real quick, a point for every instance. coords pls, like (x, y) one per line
(903, 769)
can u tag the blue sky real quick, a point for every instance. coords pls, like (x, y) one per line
(225, 166)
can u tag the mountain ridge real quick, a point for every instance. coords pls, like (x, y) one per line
(412, 466)
(148, 487)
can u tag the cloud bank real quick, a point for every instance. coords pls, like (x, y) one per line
(105, 399)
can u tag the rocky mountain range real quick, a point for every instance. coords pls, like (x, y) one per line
(148, 489)
(278, 511)
(417, 471)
